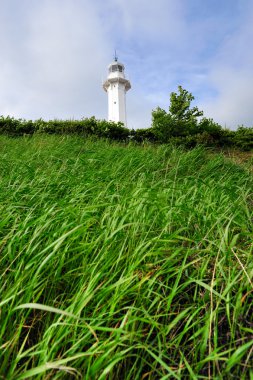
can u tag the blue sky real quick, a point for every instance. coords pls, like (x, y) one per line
(55, 53)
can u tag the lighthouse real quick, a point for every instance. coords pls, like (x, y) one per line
(116, 86)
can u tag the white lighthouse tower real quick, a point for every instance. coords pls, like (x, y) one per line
(116, 86)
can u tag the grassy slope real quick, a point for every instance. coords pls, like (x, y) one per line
(123, 262)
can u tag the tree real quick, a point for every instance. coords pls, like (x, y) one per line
(180, 121)
(180, 106)
(162, 125)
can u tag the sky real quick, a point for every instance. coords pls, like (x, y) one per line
(55, 54)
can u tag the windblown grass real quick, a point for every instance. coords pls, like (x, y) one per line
(123, 262)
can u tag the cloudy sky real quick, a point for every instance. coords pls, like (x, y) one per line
(54, 56)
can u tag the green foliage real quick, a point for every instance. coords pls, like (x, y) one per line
(181, 126)
(85, 126)
(180, 106)
(119, 262)
(15, 127)
(163, 125)
(212, 134)
(243, 138)
(180, 121)
(142, 135)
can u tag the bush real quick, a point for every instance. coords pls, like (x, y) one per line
(86, 126)
(243, 138)
(142, 135)
(165, 129)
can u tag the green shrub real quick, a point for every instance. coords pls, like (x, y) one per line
(166, 128)
(86, 126)
(141, 135)
(243, 138)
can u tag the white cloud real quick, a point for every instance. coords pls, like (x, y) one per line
(53, 67)
(233, 104)
(159, 22)
(231, 75)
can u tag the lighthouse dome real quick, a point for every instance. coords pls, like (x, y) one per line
(116, 66)
(116, 70)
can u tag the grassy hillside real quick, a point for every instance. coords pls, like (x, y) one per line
(123, 262)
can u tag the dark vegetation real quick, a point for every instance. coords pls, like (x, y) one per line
(182, 125)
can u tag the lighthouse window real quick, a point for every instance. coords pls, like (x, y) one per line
(116, 68)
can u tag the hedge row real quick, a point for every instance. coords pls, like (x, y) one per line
(86, 127)
(208, 133)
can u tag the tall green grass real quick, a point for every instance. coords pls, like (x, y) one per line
(123, 262)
